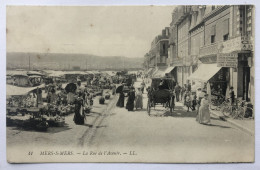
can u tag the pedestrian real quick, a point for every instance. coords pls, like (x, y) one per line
(200, 94)
(53, 96)
(189, 87)
(193, 100)
(142, 86)
(130, 100)
(188, 101)
(183, 90)
(177, 90)
(121, 100)
(139, 99)
(231, 95)
(79, 112)
(204, 113)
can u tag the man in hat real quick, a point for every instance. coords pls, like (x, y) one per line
(231, 95)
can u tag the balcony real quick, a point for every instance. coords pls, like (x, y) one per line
(208, 50)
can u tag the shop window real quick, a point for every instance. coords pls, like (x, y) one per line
(212, 39)
(225, 37)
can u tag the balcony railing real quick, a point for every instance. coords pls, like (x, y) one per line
(207, 50)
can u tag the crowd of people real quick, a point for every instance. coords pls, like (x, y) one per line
(134, 99)
(194, 100)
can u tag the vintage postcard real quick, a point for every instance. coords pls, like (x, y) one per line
(150, 84)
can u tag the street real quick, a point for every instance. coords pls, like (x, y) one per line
(159, 137)
(177, 135)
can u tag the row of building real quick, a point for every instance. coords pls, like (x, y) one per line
(207, 45)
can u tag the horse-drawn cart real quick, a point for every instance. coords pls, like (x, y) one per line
(161, 92)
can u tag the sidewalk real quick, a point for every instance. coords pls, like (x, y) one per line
(247, 125)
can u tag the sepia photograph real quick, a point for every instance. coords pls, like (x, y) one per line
(130, 84)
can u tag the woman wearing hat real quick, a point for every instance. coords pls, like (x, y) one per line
(204, 114)
(139, 99)
(131, 99)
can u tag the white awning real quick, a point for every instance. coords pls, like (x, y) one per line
(204, 72)
(19, 91)
(168, 70)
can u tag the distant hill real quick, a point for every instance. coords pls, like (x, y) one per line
(60, 61)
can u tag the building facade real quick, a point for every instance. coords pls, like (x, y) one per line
(216, 38)
(158, 55)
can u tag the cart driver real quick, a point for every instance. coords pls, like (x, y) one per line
(163, 85)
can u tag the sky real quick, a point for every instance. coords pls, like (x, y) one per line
(104, 31)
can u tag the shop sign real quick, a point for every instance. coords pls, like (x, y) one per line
(232, 45)
(237, 44)
(227, 60)
(247, 46)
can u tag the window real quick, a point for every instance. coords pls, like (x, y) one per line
(225, 37)
(213, 7)
(163, 48)
(225, 28)
(212, 39)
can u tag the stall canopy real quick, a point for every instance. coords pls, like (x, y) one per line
(168, 70)
(18, 91)
(204, 72)
(57, 74)
(34, 73)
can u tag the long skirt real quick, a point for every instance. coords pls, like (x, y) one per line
(204, 115)
(130, 105)
(121, 101)
(78, 117)
(139, 102)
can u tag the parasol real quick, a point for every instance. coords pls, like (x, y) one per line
(71, 87)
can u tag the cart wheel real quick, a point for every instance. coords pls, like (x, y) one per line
(148, 107)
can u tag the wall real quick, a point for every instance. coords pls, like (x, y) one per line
(196, 40)
(218, 21)
(183, 35)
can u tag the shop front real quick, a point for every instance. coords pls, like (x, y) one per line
(216, 78)
(237, 56)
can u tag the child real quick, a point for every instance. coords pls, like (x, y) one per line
(188, 101)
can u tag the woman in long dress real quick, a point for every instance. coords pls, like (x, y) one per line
(121, 100)
(79, 115)
(130, 100)
(204, 114)
(139, 99)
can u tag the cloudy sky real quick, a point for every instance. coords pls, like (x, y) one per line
(104, 31)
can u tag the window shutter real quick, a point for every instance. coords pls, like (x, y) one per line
(226, 27)
(213, 30)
